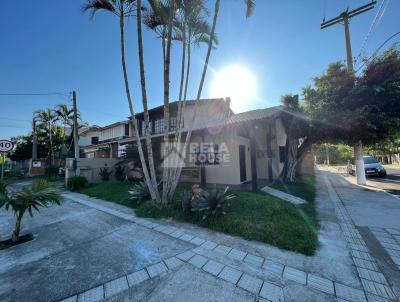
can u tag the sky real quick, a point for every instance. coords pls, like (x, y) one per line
(51, 46)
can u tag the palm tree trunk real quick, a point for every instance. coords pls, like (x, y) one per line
(15, 235)
(166, 171)
(144, 97)
(180, 125)
(189, 133)
(51, 145)
(134, 121)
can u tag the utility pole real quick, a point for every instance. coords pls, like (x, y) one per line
(327, 153)
(34, 143)
(345, 17)
(76, 138)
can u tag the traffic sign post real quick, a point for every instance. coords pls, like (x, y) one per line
(5, 146)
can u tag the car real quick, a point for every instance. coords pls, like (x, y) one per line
(372, 167)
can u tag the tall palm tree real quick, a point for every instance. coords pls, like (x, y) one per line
(250, 4)
(46, 119)
(161, 19)
(144, 97)
(124, 9)
(65, 115)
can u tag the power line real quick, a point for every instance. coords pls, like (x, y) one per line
(34, 94)
(379, 48)
(377, 18)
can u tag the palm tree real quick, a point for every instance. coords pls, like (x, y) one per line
(249, 11)
(147, 133)
(161, 19)
(124, 9)
(65, 115)
(41, 194)
(46, 119)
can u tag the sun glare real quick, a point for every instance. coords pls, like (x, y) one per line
(236, 82)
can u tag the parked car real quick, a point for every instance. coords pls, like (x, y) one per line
(371, 165)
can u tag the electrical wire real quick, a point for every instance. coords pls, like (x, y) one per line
(34, 94)
(377, 18)
(379, 48)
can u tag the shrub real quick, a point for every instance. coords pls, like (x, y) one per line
(120, 173)
(51, 171)
(75, 183)
(214, 202)
(140, 191)
(105, 174)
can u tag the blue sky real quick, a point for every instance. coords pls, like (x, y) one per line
(50, 46)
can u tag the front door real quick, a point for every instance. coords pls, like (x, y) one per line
(242, 162)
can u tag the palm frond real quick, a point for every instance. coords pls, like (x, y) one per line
(250, 5)
(93, 6)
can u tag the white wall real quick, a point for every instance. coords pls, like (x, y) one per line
(112, 132)
(86, 138)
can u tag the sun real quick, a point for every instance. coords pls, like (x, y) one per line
(236, 82)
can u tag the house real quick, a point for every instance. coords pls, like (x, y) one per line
(225, 148)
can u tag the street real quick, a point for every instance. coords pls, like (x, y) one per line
(390, 183)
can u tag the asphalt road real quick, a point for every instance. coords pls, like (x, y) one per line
(390, 183)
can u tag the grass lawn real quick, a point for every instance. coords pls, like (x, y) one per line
(304, 188)
(111, 191)
(253, 216)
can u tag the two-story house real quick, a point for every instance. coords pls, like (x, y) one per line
(225, 148)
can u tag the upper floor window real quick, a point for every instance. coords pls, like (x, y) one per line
(159, 126)
(173, 123)
(94, 140)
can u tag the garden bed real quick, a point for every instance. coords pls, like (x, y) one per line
(9, 243)
(252, 216)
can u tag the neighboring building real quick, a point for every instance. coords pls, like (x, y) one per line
(237, 148)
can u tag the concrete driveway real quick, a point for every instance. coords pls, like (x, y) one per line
(92, 250)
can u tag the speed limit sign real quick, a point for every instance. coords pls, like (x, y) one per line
(6, 145)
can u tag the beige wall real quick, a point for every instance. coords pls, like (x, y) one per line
(90, 168)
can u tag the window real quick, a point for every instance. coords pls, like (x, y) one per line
(172, 123)
(159, 126)
(282, 154)
(95, 140)
(126, 129)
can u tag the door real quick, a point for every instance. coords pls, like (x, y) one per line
(242, 162)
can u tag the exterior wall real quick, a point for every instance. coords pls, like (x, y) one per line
(261, 151)
(86, 138)
(204, 112)
(112, 132)
(90, 168)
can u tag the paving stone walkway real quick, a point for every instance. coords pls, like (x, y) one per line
(374, 282)
(390, 240)
(265, 278)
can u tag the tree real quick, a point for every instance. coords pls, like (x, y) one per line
(46, 119)
(175, 176)
(124, 9)
(41, 194)
(294, 123)
(342, 108)
(165, 20)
